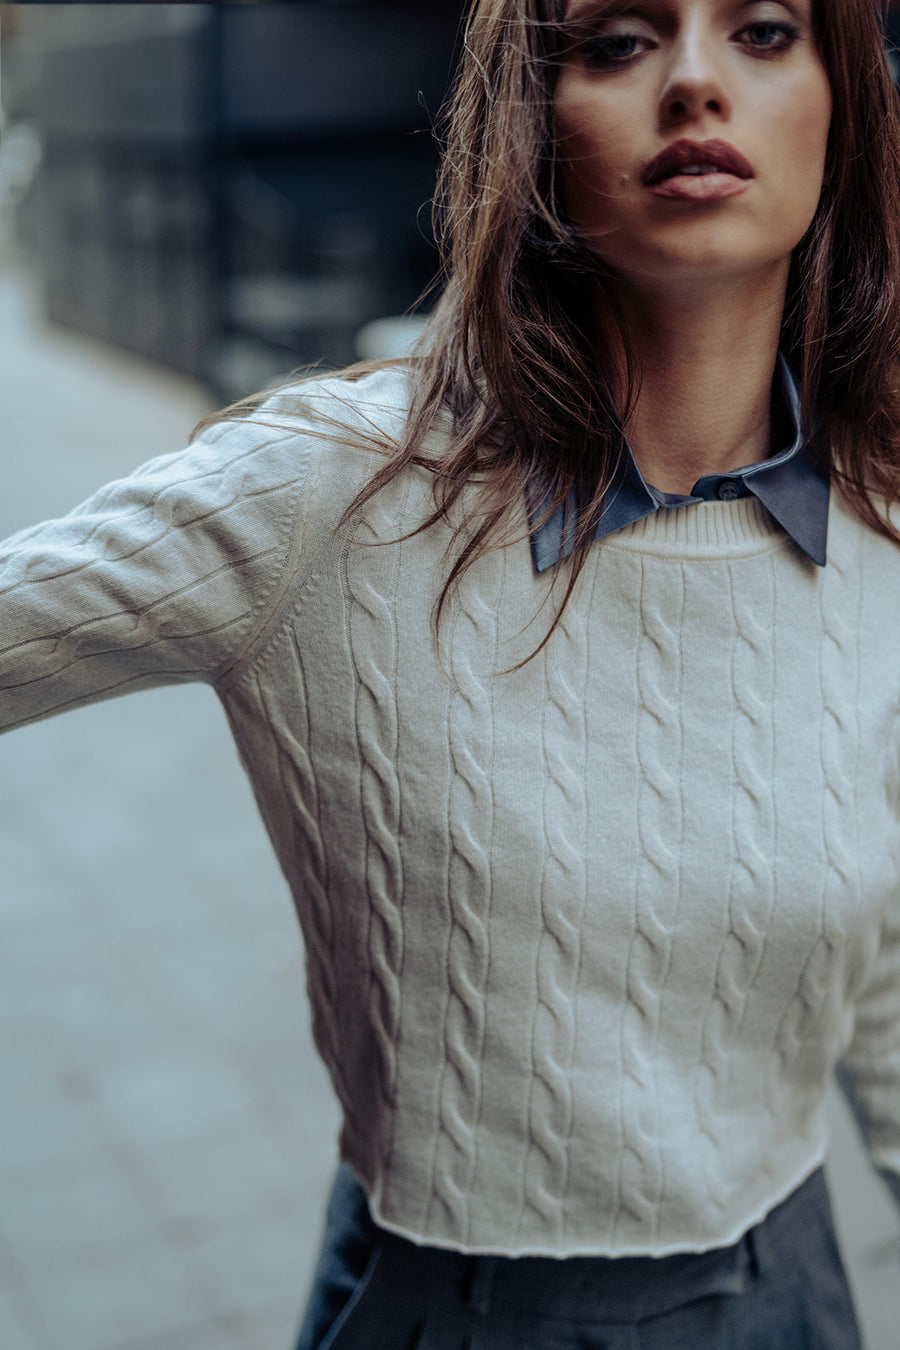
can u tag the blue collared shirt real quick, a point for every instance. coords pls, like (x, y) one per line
(790, 485)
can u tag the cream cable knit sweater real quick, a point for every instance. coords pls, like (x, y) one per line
(586, 940)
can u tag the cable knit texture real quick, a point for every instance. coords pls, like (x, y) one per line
(585, 939)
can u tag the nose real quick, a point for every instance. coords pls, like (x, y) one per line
(695, 84)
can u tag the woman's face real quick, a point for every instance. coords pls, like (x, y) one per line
(691, 135)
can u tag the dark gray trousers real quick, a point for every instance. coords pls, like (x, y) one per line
(782, 1287)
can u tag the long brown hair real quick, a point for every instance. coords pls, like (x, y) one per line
(513, 349)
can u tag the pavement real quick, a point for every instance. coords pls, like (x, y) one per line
(167, 1135)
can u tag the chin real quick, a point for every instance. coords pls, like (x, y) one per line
(697, 262)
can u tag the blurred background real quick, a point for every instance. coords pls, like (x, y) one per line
(194, 201)
(229, 190)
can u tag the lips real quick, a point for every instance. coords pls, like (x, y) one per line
(696, 159)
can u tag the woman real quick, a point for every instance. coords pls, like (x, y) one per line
(578, 749)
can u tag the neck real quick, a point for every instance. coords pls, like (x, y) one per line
(705, 370)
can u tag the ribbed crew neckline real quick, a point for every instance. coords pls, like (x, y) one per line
(733, 529)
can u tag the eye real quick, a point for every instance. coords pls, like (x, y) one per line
(769, 39)
(615, 49)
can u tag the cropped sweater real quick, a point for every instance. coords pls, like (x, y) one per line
(586, 938)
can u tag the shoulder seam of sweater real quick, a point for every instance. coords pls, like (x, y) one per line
(288, 550)
(283, 595)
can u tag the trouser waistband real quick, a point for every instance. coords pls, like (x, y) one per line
(619, 1289)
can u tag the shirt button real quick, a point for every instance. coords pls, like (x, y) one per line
(727, 490)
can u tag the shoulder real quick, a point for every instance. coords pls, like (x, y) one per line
(348, 428)
(366, 412)
(272, 448)
(849, 528)
(340, 429)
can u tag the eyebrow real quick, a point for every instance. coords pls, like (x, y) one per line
(588, 8)
(582, 15)
(581, 12)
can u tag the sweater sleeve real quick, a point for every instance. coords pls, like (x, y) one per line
(160, 577)
(869, 1072)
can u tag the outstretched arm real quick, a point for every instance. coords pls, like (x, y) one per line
(160, 577)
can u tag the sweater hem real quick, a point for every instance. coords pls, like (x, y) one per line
(601, 1249)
